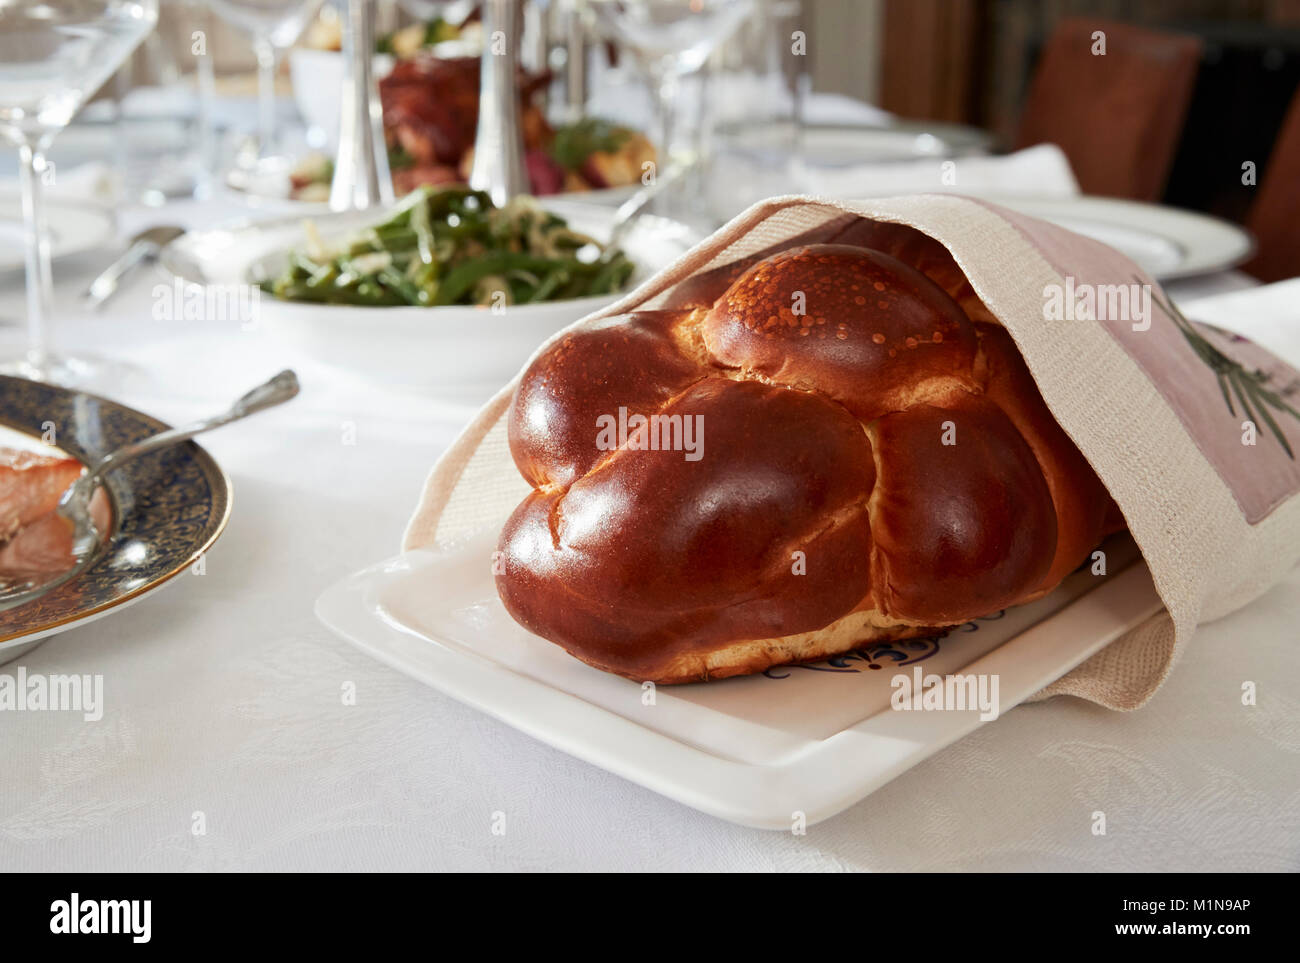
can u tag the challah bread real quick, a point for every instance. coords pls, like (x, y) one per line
(917, 250)
(875, 466)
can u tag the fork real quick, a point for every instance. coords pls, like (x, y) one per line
(74, 504)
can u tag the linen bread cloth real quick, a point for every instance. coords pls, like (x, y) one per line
(1193, 430)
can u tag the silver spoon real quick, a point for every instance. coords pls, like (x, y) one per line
(74, 505)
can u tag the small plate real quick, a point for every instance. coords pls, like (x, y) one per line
(846, 145)
(456, 350)
(168, 508)
(758, 750)
(1167, 242)
(270, 189)
(74, 228)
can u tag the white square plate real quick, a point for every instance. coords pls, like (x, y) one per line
(758, 750)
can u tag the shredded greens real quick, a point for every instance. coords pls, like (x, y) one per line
(591, 135)
(450, 245)
(426, 34)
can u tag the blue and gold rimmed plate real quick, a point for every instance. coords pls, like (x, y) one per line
(168, 508)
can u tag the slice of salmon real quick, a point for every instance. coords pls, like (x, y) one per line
(43, 548)
(30, 486)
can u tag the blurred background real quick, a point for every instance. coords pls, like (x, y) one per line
(1209, 86)
(998, 64)
(1169, 129)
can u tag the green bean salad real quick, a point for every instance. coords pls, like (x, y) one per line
(451, 245)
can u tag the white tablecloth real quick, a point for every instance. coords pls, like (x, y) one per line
(223, 695)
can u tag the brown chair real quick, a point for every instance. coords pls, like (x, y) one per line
(1274, 218)
(1118, 117)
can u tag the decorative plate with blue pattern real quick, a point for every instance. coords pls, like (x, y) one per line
(168, 508)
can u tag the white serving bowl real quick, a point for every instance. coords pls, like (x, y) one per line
(454, 351)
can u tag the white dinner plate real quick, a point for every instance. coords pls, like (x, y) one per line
(74, 228)
(846, 145)
(762, 750)
(455, 351)
(605, 196)
(1167, 242)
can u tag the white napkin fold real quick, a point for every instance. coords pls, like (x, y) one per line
(830, 109)
(93, 181)
(1269, 315)
(1041, 171)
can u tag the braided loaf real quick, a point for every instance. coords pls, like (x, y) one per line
(877, 466)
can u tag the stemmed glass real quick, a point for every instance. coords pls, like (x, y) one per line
(274, 25)
(53, 55)
(670, 40)
(454, 11)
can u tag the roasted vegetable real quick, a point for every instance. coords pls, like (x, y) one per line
(578, 141)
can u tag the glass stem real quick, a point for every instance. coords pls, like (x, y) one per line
(266, 63)
(205, 79)
(665, 84)
(37, 244)
(701, 139)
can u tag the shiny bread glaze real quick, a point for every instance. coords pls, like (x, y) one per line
(875, 466)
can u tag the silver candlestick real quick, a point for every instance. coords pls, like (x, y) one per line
(575, 64)
(498, 148)
(361, 175)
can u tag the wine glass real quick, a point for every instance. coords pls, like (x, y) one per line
(54, 54)
(453, 11)
(669, 40)
(761, 85)
(274, 26)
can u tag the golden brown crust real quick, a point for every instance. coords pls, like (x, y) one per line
(872, 465)
(853, 632)
(1082, 503)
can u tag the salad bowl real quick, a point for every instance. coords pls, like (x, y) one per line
(453, 350)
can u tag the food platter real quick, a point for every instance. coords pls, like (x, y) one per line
(761, 750)
(454, 350)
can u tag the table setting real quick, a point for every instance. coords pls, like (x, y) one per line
(403, 271)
